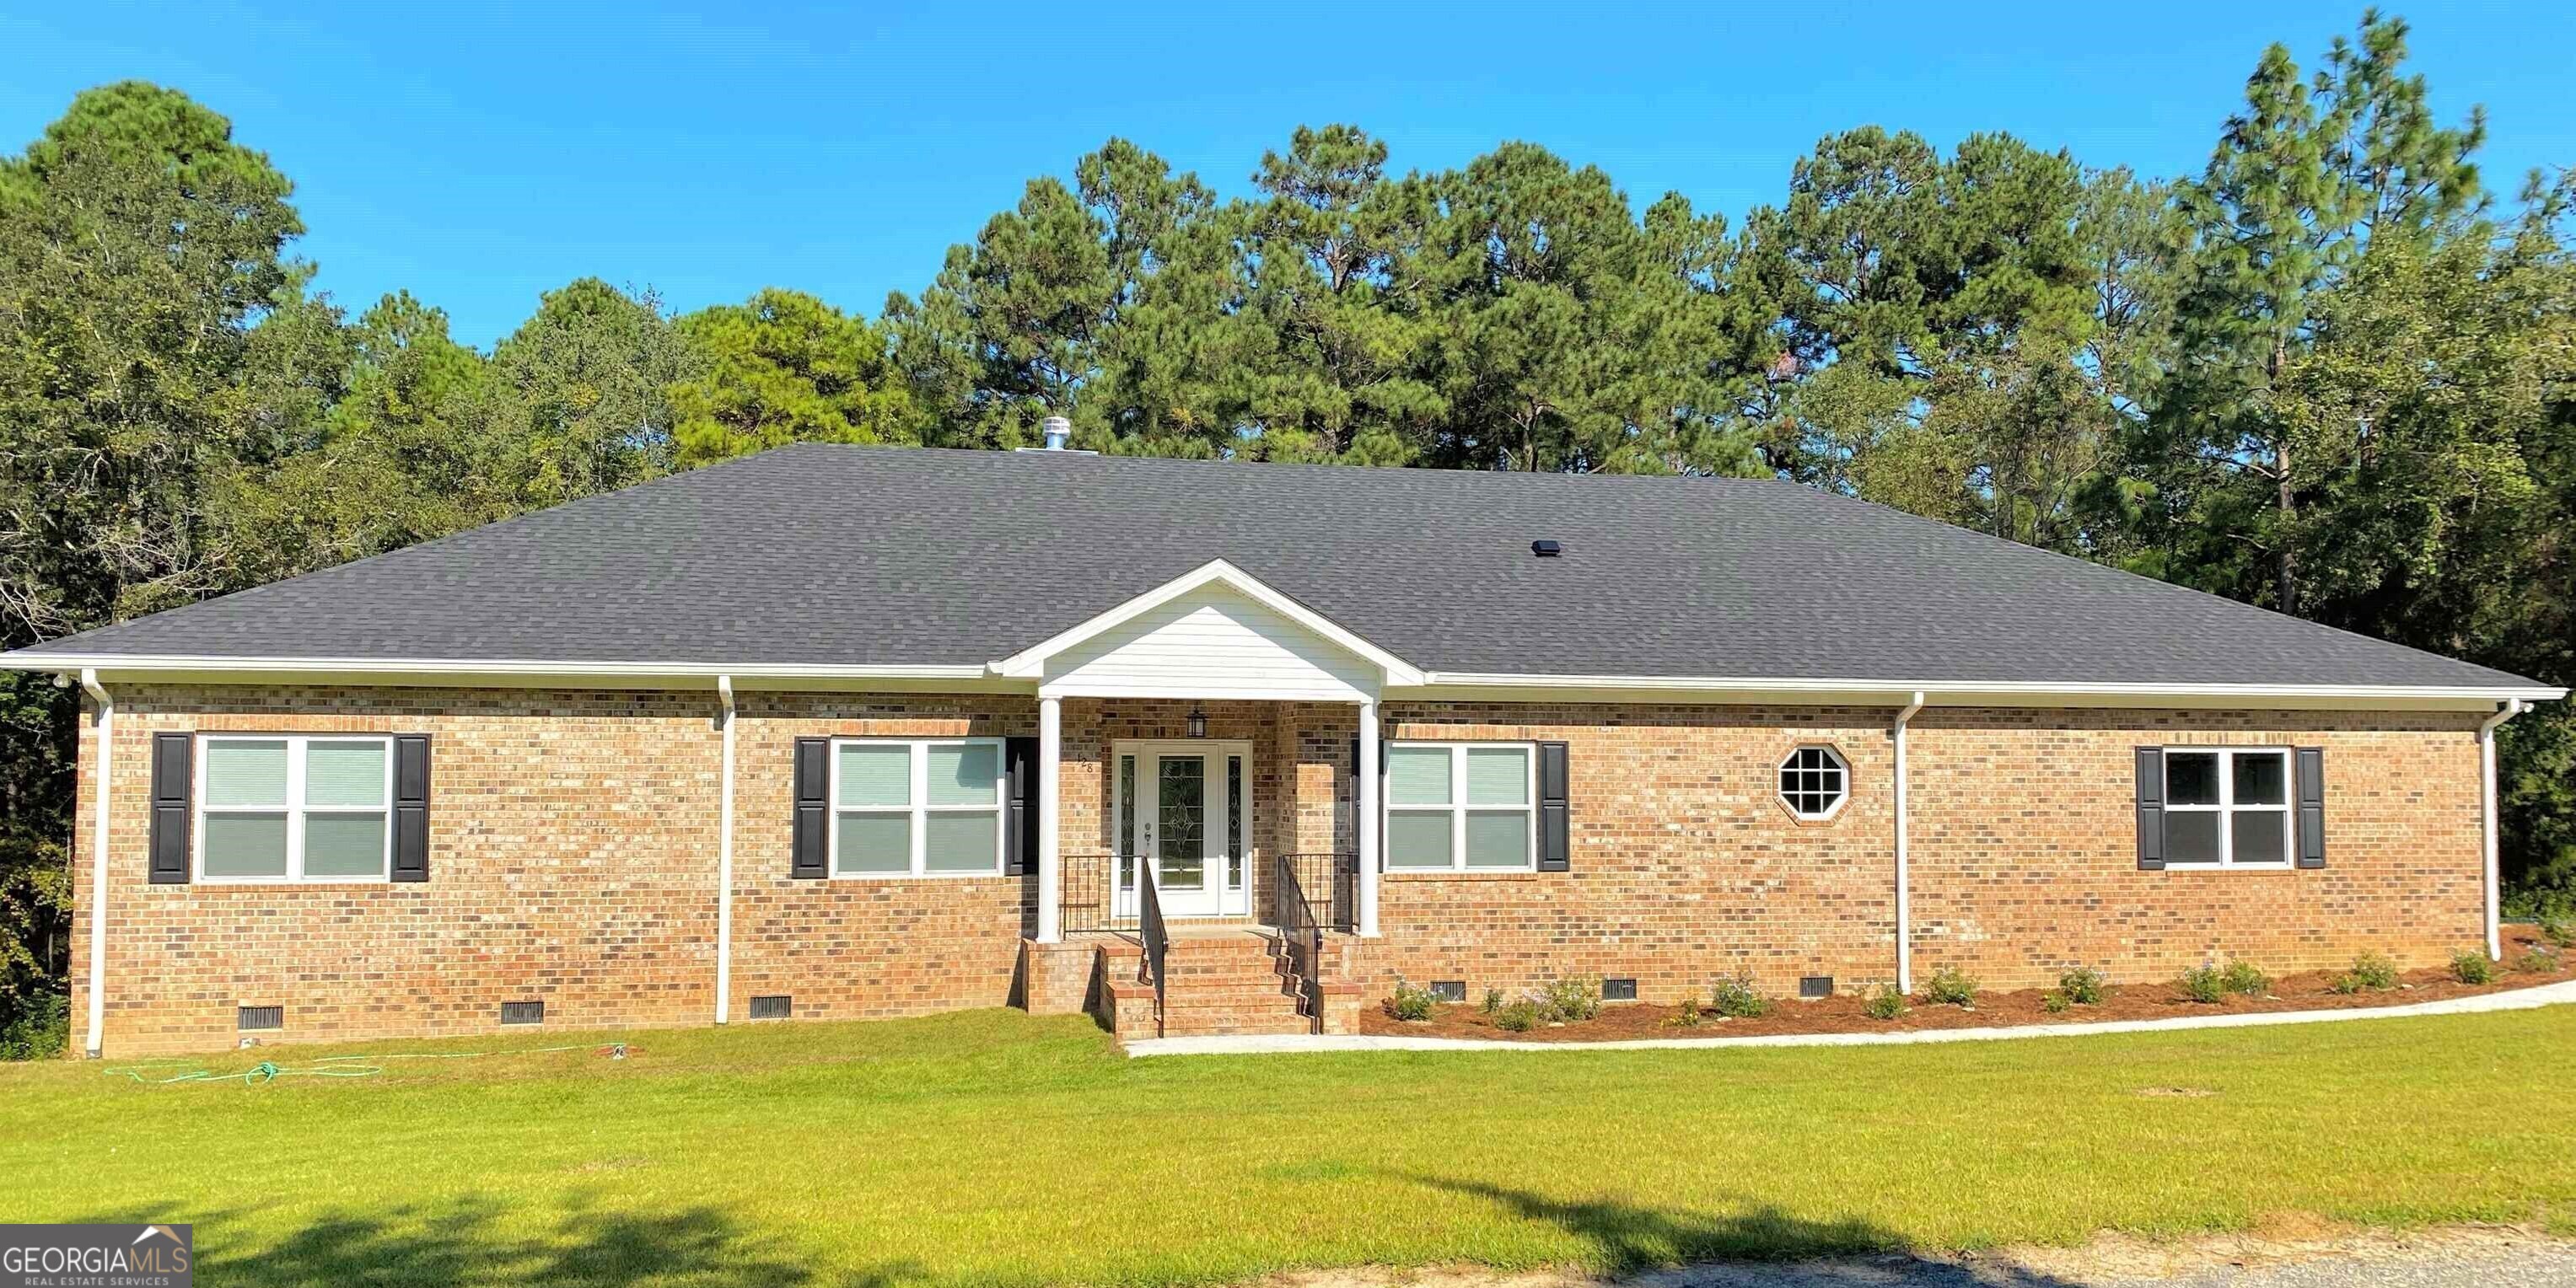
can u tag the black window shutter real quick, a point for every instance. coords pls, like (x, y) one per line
(172, 776)
(1554, 854)
(2151, 809)
(813, 810)
(411, 807)
(2312, 806)
(1020, 826)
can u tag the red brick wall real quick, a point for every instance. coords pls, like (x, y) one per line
(573, 858)
(1685, 867)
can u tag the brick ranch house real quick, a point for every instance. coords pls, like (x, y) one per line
(835, 732)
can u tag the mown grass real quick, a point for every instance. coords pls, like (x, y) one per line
(994, 1147)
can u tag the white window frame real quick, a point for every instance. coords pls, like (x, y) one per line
(1458, 808)
(2226, 809)
(920, 809)
(1842, 798)
(294, 809)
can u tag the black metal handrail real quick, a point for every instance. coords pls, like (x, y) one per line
(1298, 929)
(1336, 875)
(1087, 891)
(1149, 922)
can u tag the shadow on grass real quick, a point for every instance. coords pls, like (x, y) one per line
(1628, 1239)
(463, 1243)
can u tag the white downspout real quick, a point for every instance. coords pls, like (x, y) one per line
(98, 864)
(1904, 870)
(2487, 807)
(1050, 819)
(724, 857)
(1364, 809)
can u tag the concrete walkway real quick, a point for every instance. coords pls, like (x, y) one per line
(2519, 999)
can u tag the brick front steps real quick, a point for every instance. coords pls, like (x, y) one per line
(1226, 980)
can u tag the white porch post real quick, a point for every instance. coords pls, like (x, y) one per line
(1365, 825)
(1050, 861)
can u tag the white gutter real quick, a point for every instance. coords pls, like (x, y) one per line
(1899, 689)
(724, 857)
(98, 865)
(35, 661)
(2487, 807)
(1904, 874)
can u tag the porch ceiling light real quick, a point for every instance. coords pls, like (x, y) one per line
(1198, 721)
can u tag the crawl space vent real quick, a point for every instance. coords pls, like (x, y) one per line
(249, 1018)
(523, 1012)
(1812, 987)
(1449, 990)
(1618, 990)
(777, 1006)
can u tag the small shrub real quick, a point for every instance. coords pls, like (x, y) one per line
(2559, 928)
(2054, 1002)
(1885, 1004)
(1517, 1017)
(1574, 997)
(1410, 1003)
(1493, 1000)
(2082, 986)
(2472, 968)
(2244, 977)
(2370, 972)
(1950, 986)
(2539, 961)
(2203, 984)
(41, 1032)
(1687, 1017)
(1737, 999)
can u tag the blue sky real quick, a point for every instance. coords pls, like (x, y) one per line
(478, 156)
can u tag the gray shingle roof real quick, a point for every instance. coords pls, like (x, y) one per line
(853, 556)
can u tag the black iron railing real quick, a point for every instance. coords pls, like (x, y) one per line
(1097, 892)
(1299, 932)
(1336, 878)
(1149, 923)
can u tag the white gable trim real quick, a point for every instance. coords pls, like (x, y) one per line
(1031, 662)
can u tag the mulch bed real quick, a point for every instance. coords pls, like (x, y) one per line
(1843, 1014)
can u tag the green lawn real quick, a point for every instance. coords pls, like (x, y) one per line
(993, 1147)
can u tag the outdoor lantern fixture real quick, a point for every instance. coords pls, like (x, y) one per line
(1198, 721)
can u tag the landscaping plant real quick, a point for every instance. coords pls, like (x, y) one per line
(1571, 997)
(2244, 977)
(2203, 984)
(2559, 928)
(2054, 1002)
(1517, 1017)
(1885, 1004)
(1687, 1017)
(1950, 986)
(2472, 968)
(2082, 986)
(1493, 1000)
(2539, 961)
(1737, 999)
(2371, 972)
(1410, 1003)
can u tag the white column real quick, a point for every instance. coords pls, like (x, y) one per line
(1050, 861)
(1366, 822)
(724, 855)
(98, 865)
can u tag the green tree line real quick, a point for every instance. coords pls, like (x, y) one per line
(2331, 374)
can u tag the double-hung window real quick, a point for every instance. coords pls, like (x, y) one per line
(2227, 807)
(293, 808)
(916, 807)
(1460, 806)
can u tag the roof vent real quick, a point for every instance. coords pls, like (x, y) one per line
(1059, 432)
(1546, 549)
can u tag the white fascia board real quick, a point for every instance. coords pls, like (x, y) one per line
(1975, 692)
(1031, 661)
(481, 670)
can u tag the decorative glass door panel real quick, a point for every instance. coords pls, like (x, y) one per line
(1181, 809)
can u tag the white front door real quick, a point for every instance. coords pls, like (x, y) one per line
(1184, 808)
